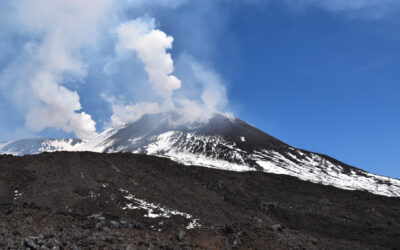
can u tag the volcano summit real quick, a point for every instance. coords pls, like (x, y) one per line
(224, 142)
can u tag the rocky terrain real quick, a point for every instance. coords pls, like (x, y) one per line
(223, 142)
(83, 200)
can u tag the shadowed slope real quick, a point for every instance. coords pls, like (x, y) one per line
(144, 201)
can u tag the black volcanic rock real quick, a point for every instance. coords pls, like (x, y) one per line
(223, 142)
(127, 201)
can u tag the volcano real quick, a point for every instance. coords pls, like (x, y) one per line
(223, 142)
(165, 183)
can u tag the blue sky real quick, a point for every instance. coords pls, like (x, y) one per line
(319, 75)
(322, 81)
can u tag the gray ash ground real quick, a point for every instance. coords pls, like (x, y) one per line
(126, 201)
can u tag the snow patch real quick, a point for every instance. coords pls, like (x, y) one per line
(184, 149)
(319, 170)
(135, 140)
(3, 144)
(17, 194)
(156, 210)
(204, 161)
(59, 145)
(99, 143)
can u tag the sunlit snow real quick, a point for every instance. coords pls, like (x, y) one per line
(215, 151)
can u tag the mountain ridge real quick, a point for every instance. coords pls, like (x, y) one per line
(224, 142)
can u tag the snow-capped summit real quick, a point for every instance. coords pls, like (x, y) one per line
(224, 142)
(38, 145)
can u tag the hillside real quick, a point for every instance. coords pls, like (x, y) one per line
(127, 201)
(224, 142)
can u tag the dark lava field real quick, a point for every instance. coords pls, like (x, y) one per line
(125, 201)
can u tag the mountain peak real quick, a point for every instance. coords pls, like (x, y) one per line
(221, 142)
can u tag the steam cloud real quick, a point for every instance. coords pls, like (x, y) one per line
(60, 30)
(151, 45)
(62, 33)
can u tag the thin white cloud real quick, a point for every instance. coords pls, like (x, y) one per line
(354, 8)
(159, 3)
(206, 93)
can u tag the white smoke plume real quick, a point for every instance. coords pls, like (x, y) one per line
(43, 76)
(151, 45)
(212, 97)
(127, 113)
(60, 30)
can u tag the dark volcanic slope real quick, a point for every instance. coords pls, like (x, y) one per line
(89, 200)
(223, 142)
